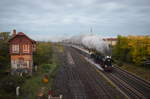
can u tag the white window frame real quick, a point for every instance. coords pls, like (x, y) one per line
(15, 48)
(26, 48)
(14, 63)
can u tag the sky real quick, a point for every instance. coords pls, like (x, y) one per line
(57, 19)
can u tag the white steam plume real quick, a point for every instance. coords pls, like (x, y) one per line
(91, 41)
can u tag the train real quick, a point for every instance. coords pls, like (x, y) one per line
(98, 58)
(104, 61)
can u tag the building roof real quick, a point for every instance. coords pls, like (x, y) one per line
(21, 34)
(110, 39)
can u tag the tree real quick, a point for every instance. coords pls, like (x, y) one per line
(4, 52)
(43, 53)
(133, 49)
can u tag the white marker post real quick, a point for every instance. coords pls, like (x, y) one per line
(60, 96)
(17, 90)
(49, 96)
(21, 74)
(35, 67)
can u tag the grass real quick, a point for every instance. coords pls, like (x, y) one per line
(142, 72)
(33, 85)
(60, 48)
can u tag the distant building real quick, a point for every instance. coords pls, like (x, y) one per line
(111, 41)
(21, 52)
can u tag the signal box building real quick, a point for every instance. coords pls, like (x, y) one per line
(21, 53)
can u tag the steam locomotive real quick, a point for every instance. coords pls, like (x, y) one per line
(104, 61)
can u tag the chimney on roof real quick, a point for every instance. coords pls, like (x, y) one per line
(14, 32)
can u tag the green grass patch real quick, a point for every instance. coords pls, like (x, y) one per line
(60, 48)
(34, 85)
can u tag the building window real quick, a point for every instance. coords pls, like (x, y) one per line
(26, 64)
(21, 62)
(14, 63)
(18, 65)
(15, 48)
(26, 48)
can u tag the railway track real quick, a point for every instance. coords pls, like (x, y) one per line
(76, 79)
(98, 87)
(138, 86)
(133, 86)
(67, 81)
(145, 84)
(124, 86)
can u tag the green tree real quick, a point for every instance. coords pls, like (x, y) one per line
(4, 52)
(43, 53)
(122, 51)
(133, 49)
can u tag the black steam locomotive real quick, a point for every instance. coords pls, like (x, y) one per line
(104, 61)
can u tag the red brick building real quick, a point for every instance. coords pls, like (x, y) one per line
(21, 52)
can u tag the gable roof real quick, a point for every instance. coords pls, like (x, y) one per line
(21, 34)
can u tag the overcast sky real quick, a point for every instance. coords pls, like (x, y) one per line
(48, 19)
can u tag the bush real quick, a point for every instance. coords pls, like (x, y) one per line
(46, 67)
(4, 95)
(119, 63)
(9, 84)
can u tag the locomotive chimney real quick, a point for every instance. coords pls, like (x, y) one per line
(14, 32)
